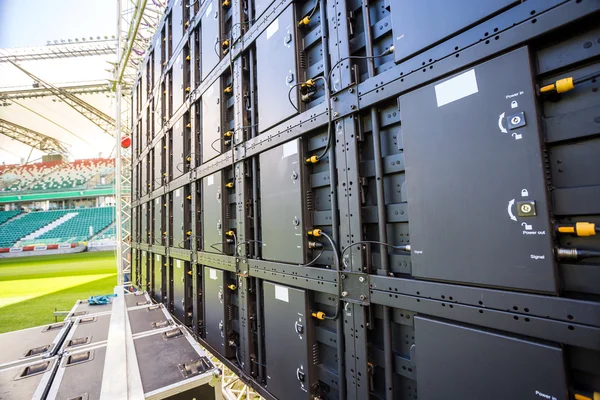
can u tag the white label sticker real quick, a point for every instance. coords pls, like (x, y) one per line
(178, 193)
(210, 180)
(456, 88)
(212, 273)
(290, 149)
(178, 263)
(274, 27)
(281, 293)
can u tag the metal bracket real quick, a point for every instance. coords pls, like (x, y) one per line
(344, 103)
(355, 288)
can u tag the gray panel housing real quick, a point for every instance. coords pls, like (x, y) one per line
(177, 149)
(442, 18)
(276, 70)
(212, 214)
(457, 362)
(287, 356)
(177, 234)
(466, 224)
(211, 122)
(210, 37)
(282, 211)
(179, 298)
(216, 305)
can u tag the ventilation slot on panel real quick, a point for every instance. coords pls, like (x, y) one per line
(37, 351)
(87, 320)
(33, 369)
(152, 308)
(142, 303)
(302, 59)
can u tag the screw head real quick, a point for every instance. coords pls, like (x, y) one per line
(363, 297)
(361, 279)
(344, 294)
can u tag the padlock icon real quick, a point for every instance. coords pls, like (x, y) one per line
(524, 193)
(514, 104)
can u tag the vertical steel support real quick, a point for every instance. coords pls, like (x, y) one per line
(118, 190)
(381, 214)
(345, 138)
(122, 172)
(245, 291)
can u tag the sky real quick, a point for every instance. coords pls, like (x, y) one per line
(32, 23)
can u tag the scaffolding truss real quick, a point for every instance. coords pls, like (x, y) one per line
(31, 138)
(62, 50)
(137, 23)
(33, 93)
(105, 122)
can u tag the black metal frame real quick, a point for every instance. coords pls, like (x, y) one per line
(370, 289)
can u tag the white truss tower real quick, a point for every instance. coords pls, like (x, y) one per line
(136, 25)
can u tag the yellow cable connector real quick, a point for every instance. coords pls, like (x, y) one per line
(187, 23)
(315, 232)
(225, 44)
(231, 287)
(190, 273)
(312, 160)
(189, 125)
(187, 89)
(229, 184)
(189, 233)
(309, 83)
(304, 21)
(188, 58)
(189, 197)
(591, 396)
(580, 229)
(226, 3)
(188, 159)
(560, 86)
(229, 233)
(228, 89)
(319, 315)
(228, 134)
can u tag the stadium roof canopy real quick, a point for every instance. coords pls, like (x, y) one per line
(56, 71)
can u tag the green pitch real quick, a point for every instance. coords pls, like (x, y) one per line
(31, 288)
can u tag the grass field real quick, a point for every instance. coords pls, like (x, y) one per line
(31, 288)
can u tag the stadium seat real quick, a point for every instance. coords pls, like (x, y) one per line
(6, 215)
(75, 229)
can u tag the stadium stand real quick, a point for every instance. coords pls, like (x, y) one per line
(6, 215)
(90, 173)
(21, 177)
(79, 226)
(74, 229)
